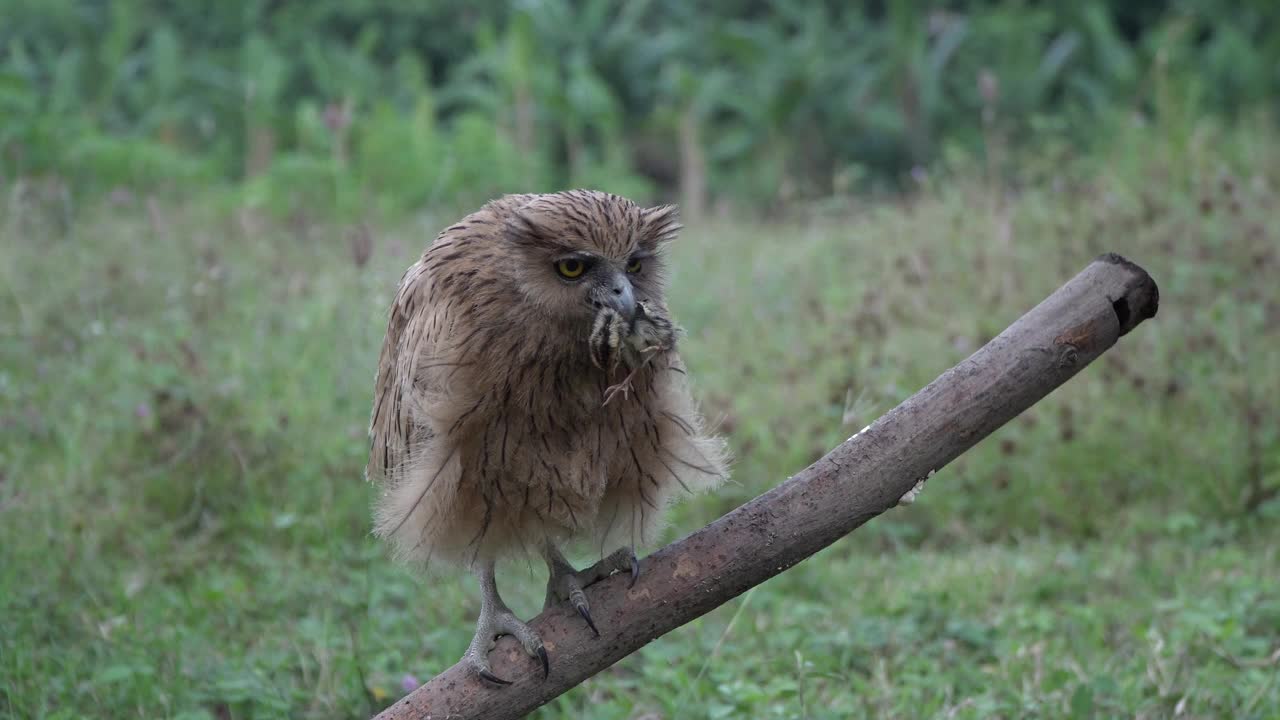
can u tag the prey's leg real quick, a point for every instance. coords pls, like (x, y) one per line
(624, 387)
(496, 619)
(565, 583)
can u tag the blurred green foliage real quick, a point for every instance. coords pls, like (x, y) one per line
(352, 104)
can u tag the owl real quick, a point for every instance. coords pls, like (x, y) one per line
(529, 397)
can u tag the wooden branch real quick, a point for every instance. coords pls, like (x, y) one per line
(861, 478)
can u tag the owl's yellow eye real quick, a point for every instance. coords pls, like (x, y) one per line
(571, 268)
(634, 266)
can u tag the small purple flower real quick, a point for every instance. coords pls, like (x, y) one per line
(143, 411)
(409, 683)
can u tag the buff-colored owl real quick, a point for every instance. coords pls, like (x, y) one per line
(529, 395)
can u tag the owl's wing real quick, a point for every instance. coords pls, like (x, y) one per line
(412, 329)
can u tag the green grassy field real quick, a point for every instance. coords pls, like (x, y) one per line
(184, 391)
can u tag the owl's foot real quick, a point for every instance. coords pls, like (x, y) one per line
(565, 583)
(496, 620)
(624, 558)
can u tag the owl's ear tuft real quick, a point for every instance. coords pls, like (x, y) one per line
(660, 225)
(523, 230)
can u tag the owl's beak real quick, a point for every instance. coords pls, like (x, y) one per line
(616, 294)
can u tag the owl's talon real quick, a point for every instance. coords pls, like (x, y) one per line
(494, 624)
(624, 558)
(586, 615)
(546, 664)
(495, 679)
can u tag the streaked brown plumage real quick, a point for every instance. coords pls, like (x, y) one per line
(490, 435)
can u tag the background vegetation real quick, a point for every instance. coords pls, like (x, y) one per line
(399, 105)
(206, 208)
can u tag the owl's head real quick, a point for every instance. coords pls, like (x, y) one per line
(581, 250)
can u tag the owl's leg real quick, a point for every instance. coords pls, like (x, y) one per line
(565, 583)
(496, 619)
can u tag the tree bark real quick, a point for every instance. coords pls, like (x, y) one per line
(861, 478)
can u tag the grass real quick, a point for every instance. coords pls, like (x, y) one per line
(184, 391)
